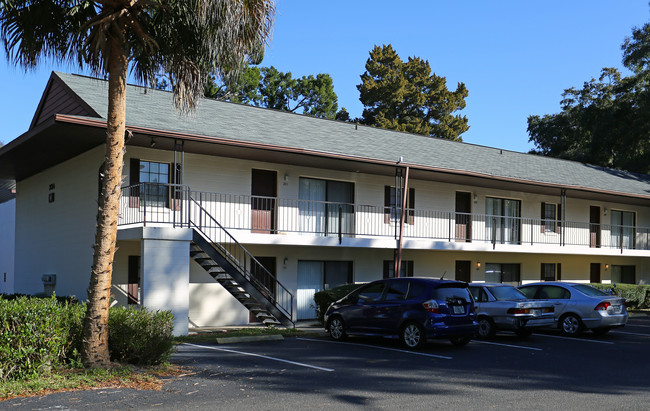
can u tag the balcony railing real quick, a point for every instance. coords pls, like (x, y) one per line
(158, 203)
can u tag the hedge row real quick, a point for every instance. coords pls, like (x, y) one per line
(636, 296)
(37, 334)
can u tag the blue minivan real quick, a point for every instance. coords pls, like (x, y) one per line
(413, 309)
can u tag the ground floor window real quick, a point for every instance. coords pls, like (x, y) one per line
(551, 272)
(406, 268)
(314, 276)
(503, 273)
(625, 274)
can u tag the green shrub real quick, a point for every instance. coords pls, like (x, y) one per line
(325, 298)
(141, 337)
(636, 296)
(37, 334)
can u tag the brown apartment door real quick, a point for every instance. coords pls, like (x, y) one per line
(594, 226)
(263, 192)
(594, 273)
(464, 271)
(463, 217)
(261, 275)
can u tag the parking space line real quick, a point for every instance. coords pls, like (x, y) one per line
(378, 347)
(637, 325)
(629, 333)
(261, 356)
(574, 339)
(508, 345)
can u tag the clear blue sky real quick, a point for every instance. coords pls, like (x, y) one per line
(515, 57)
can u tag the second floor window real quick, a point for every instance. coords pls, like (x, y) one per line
(157, 175)
(551, 217)
(503, 220)
(393, 198)
(623, 229)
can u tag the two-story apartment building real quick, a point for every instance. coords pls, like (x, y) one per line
(237, 211)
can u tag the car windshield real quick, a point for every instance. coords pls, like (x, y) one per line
(590, 291)
(506, 293)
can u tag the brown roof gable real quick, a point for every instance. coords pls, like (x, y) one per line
(58, 98)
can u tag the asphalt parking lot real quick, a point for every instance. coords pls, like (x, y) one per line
(544, 371)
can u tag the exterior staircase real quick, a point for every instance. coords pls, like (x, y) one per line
(232, 266)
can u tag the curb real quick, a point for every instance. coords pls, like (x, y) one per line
(251, 338)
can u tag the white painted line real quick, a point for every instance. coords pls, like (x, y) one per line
(629, 333)
(574, 339)
(378, 347)
(261, 356)
(508, 345)
(637, 325)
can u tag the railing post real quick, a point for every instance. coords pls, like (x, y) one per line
(494, 233)
(449, 220)
(340, 224)
(532, 232)
(144, 203)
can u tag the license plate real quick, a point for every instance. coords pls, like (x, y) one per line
(459, 309)
(536, 313)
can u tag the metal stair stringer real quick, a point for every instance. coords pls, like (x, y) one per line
(231, 277)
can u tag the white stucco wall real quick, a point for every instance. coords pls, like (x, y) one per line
(57, 237)
(7, 246)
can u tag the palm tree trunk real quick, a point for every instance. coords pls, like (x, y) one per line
(95, 345)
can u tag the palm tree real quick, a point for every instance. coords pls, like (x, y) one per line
(184, 39)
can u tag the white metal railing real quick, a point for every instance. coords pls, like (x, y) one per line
(168, 204)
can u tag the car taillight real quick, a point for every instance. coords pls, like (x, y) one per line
(602, 306)
(518, 311)
(431, 306)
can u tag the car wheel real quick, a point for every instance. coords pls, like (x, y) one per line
(412, 335)
(601, 331)
(337, 329)
(460, 341)
(570, 325)
(523, 333)
(486, 328)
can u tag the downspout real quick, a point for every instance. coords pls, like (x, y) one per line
(398, 259)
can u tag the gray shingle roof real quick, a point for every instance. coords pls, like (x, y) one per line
(154, 109)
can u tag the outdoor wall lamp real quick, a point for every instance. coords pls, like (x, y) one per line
(605, 211)
(478, 265)
(153, 143)
(606, 267)
(286, 177)
(286, 261)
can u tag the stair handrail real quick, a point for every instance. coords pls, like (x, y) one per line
(286, 307)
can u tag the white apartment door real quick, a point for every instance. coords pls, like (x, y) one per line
(310, 281)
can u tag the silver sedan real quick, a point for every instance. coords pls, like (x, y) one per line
(580, 306)
(503, 307)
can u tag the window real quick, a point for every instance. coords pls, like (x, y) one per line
(551, 217)
(151, 180)
(551, 272)
(393, 205)
(624, 274)
(550, 292)
(503, 223)
(503, 273)
(326, 207)
(397, 290)
(371, 293)
(623, 229)
(405, 270)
